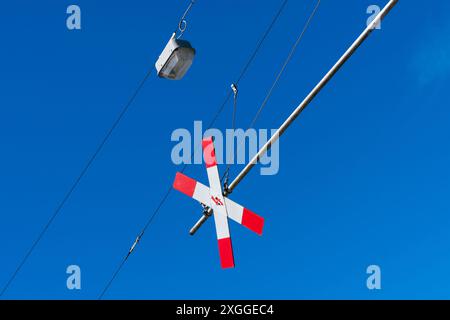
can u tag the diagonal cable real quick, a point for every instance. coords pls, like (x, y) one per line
(75, 184)
(216, 115)
(285, 64)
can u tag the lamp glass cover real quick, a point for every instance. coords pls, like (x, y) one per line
(178, 64)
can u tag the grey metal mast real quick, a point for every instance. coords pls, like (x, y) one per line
(302, 106)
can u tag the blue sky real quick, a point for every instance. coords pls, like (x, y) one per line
(364, 176)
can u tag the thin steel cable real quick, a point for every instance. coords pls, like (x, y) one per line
(161, 203)
(233, 117)
(214, 119)
(226, 174)
(286, 62)
(182, 24)
(78, 179)
(269, 29)
(113, 277)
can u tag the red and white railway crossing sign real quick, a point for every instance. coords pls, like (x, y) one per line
(222, 207)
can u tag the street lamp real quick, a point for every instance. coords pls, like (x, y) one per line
(176, 59)
(177, 56)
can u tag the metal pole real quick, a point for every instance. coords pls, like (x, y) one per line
(304, 104)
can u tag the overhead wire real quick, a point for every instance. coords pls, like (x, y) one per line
(285, 64)
(182, 27)
(213, 120)
(226, 175)
(75, 184)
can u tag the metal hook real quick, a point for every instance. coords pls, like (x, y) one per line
(182, 25)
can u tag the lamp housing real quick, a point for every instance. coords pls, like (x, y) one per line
(175, 60)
